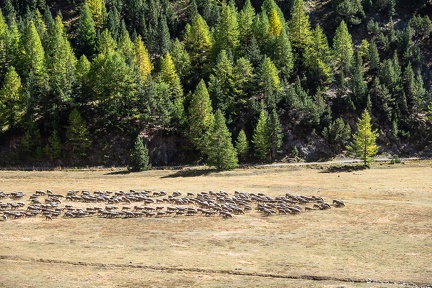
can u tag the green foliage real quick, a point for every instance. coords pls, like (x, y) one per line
(12, 102)
(139, 159)
(337, 134)
(261, 137)
(86, 33)
(219, 148)
(201, 118)
(54, 147)
(343, 48)
(350, 11)
(242, 146)
(299, 26)
(270, 82)
(318, 58)
(77, 135)
(275, 134)
(142, 59)
(364, 140)
(226, 35)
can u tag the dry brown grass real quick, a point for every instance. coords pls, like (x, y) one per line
(384, 233)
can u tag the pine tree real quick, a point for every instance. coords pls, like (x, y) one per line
(169, 76)
(198, 43)
(275, 134)
(343, 51)
(318, 58)
(96, 8)
(364, 140)
(86, 33)
(299, 26)
(105, 42)
(163, 38)
(139, 159)
(242, 146)
(219, 149)
(358, 85)
(77, 135)
(245, 21)
(337, 134)
(282, 55)
(12, 104)
(261, 138)
(201, 117)
(13, 50)
(226, 35)
(54, 146)
(181, 60)
(270, 82)
(142, 59)
(374, 59)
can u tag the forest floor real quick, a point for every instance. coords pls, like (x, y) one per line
(381, 238)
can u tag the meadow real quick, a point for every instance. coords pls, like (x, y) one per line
(381, 238)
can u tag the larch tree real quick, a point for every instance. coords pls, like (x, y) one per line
(181, 60)
(261, 137)
(198, 43)
(275, 24)
(12, 104)
(142, 59)
(270, 82)
(226, 35)
(169, 75)
(78, 137)
(97, 8)
(282, 55)
(299, 26)
(245, 21)
(86, 33)
(275, 134)
(364, 140)
(242, 145)
(219, 149)
(343, 51)
(318, 58)
(201, 118)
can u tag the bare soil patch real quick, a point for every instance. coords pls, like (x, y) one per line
(383, 234)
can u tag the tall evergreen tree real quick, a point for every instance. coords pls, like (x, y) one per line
(282, 55)
(226, 35)
(242, 146)
(97, 9)
(198, 43)
(12, 104)
(245, 21)
(343, 51)
(318, 58)
(337, 134)
(86, 33)
(78, 137)
(270, 83)
(358, 84)
(142, 59)
(139, 159)
(261, 138)
(219, 149)
(201, 117)
(181, 60)
(364, 140)
(299, 26)
(275, 134)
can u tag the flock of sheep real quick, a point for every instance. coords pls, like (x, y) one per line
(146, 203)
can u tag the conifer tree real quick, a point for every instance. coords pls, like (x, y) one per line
(77, 135)
(219, 149)
(358, 84)
(3, 47)
(86, 33)
(139, 159)
(181, 60)
(13, 50)
(245, 20)
(126, 47)
(374, 59)
(242, 146)
(275, 134)
(270, 82)
(54, 146)
(105, 42)
(201, 117)
(275, 24)
(142, 59)
(364, 140)
(282, 55)
(198, 43)
(97, 8)
(261, 138)
(337, 134)
(318, 58)
(299, 26)
(169, 75)
(163, 39)
(226, 35)
(12, 104)
(343, 51)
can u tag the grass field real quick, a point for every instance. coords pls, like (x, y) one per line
(382, 238)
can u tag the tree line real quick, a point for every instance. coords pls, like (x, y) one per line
(228, 81)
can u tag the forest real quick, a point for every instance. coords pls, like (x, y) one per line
(209, 81)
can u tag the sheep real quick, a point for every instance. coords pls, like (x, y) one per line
(5, 218)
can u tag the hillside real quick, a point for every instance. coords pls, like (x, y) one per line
(79, 81)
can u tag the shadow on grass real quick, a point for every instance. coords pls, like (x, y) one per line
(122, 172)
(344, 168)
(190, 173)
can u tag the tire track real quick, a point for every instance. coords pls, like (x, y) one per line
(211, 271)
